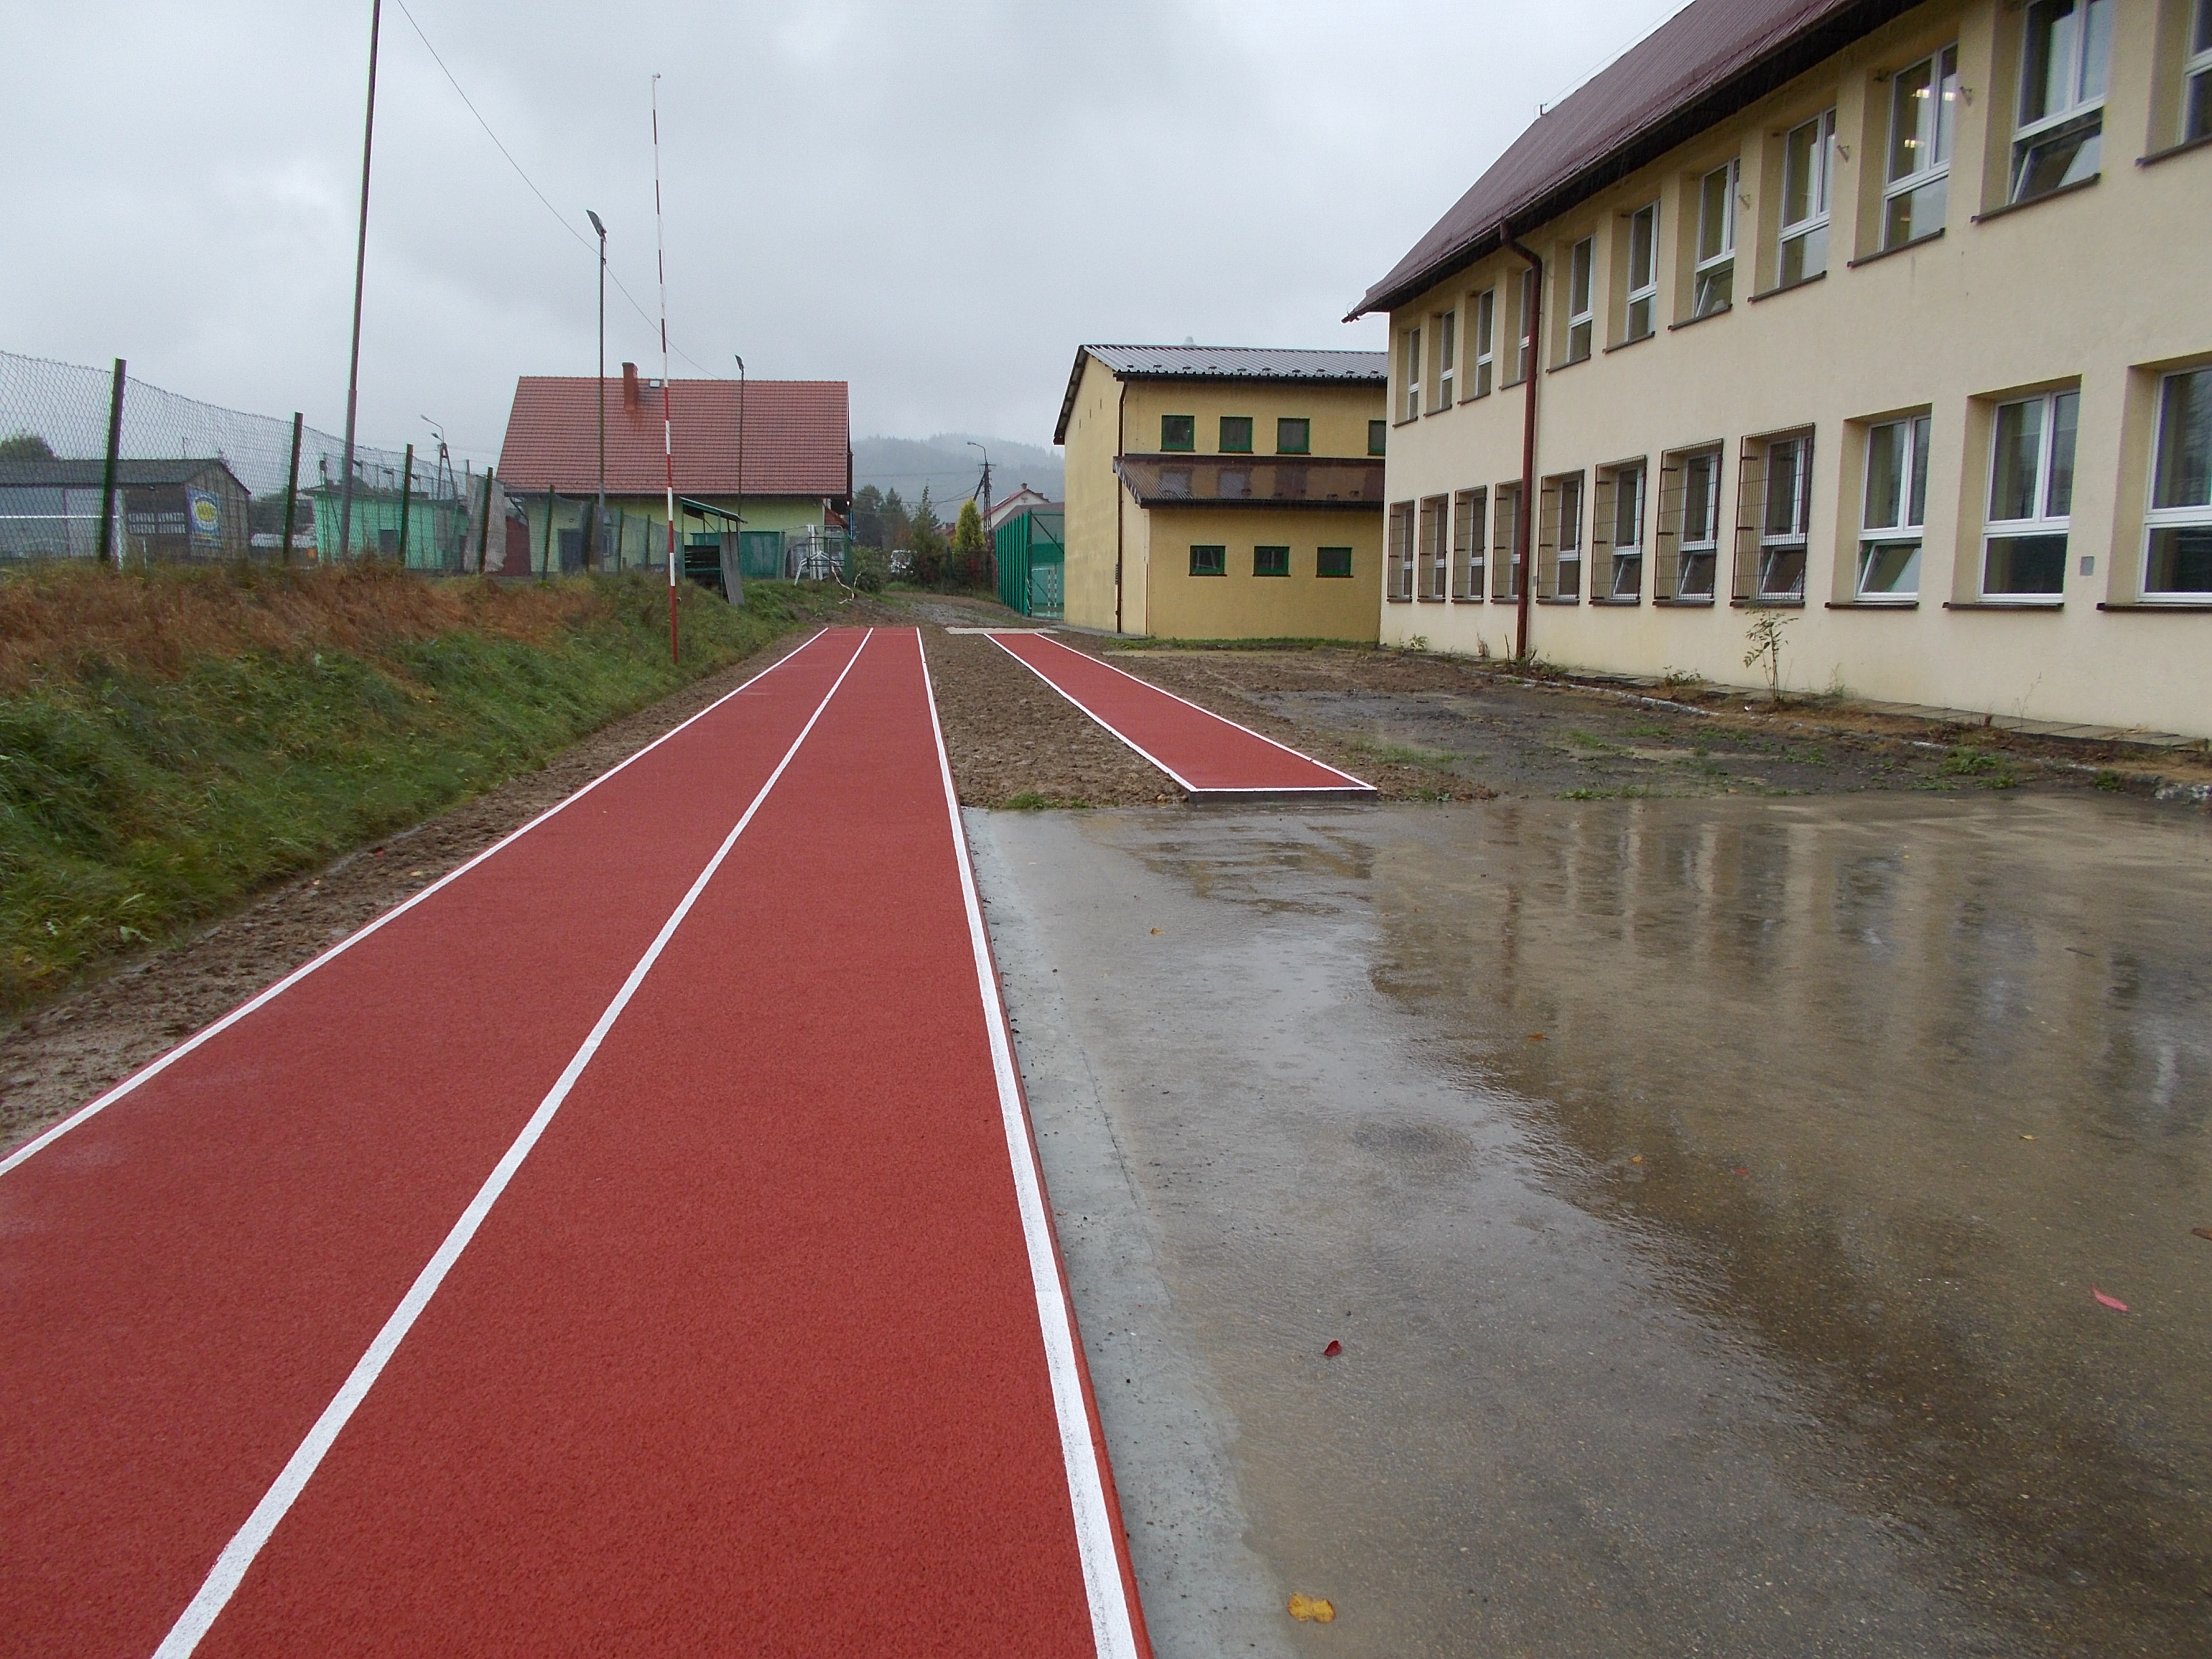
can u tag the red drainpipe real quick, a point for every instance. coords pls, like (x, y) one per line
(1523, 529)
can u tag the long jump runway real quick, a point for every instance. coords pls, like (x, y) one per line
(1209, 758)
(694, 1293)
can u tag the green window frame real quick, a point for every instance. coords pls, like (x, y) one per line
(1236, 434)
(1209, 561)
(1293, 435)
(1270, 561)
(1333, 561)
(1178, 431)
(1378, 436)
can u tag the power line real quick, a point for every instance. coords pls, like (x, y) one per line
(559, 217)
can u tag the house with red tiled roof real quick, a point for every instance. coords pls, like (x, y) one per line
(767, 460)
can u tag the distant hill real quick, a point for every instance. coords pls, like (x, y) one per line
(949, 466)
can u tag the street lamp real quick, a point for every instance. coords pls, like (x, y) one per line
(599, 511)
(983, 489)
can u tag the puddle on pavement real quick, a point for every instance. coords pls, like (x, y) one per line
(1876, 1094)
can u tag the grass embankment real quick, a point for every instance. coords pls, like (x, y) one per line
(171, 741)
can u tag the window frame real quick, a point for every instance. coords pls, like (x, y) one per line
(1777, 545)
(1820, 194)
(1305, 424)
(2189, 515)
(1378, 436)
(1322, 572)
(1505, 508)
(1190, 445)
(1941, 133)
(1431, 549)
(1524, 291)
(2196, 79)
(1646, 293)
(1228, 449)
(2082, 117)
(1398, 554)
(1485, 343)
(1707, 549)
(1285, 561)
(2045, 524)
(1581, 307)
(1911, 529)
(1219, 562)
(1409, 404)
(1708, 271)
(1568, 512)
(1469, 550)
(1631, 553)
(1447, 327)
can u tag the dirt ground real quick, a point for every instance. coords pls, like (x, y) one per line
(1419, 727)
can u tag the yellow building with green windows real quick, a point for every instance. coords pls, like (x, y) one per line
(1224, 492)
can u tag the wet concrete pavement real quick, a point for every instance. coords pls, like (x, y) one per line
(1708, 1196)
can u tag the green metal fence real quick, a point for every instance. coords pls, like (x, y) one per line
(1033, 562)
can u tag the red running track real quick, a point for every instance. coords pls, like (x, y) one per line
(712, 1307)
(1212, 758)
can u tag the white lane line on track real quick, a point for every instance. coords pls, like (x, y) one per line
(149, 1073)
(1350, 786)
(238, 1555)
(1112, 1627)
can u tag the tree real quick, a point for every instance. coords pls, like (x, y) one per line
(868, 516)
(926, 536)
(971, 547)
(26, 447)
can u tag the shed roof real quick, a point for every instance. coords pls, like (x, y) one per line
(797, 437)
(42, 472)
(1196, 362)
(1710, 60)
(1233, 481)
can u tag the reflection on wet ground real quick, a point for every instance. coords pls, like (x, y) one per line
(1714, 1199)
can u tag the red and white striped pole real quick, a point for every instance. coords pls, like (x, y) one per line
(667, 420)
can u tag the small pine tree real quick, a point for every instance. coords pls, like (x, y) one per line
(926, 536)
(971, 548)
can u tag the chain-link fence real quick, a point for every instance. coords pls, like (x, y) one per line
(194, 481)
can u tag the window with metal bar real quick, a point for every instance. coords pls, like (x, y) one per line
(1398, 575)
(1505, 569)
(1895, 510)
(2031, 496)
(1698, 528)
(1807, 162)
(1923, 118)
(2065, 54)
(2178, 529)
(1626, 516)
(1431, 561)
(1786, 482)
(1567, 545)
(1470, 511)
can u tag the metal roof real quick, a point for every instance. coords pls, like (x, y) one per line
(43, 473)
(1237, 481)
(1710, 60)
(1197, 363)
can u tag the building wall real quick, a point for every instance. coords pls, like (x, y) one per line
(2100, 287)
(1105, 408)
(1240, 605)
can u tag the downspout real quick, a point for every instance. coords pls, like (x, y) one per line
(1121, 429)
(1523, 529)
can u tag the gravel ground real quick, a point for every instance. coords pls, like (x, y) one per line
(1419, 727)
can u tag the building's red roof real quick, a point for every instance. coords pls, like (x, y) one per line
(797, 437)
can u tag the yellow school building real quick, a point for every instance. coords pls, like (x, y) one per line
(1223, 492)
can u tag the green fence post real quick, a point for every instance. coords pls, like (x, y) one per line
(292, 487)
(406, 500)
(483, 530)
(107, 547)
(545, 564)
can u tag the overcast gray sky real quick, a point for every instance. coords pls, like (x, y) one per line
(936, 201)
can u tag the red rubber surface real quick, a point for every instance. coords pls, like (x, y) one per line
(1203, 752)
(745, 1359)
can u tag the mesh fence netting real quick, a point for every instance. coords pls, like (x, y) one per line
(196, 481)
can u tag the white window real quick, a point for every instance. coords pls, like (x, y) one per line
(1582, 270)
(1923, 102)
(1627, 532)
(1783, 525)
(2065, 49)
(1701, 524)
(1568, 504)
(1412, 373)
(1715, 284)
(1470, 508)
(1485, 320)
(2177, 533)
(1398, 572)
(1430, 559)
(1808, 158)
(1447, 356)
(1644, 268)
(2196, 78)
(1891, 525)
(1526, 323)
(2031, 496)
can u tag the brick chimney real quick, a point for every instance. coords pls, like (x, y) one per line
(632, 395)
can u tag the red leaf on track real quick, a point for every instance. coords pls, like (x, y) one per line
(2112, 1302)
(1333, 1349)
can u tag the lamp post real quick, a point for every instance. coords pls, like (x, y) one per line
(360, 269)
(599, 510)
(983, 489)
